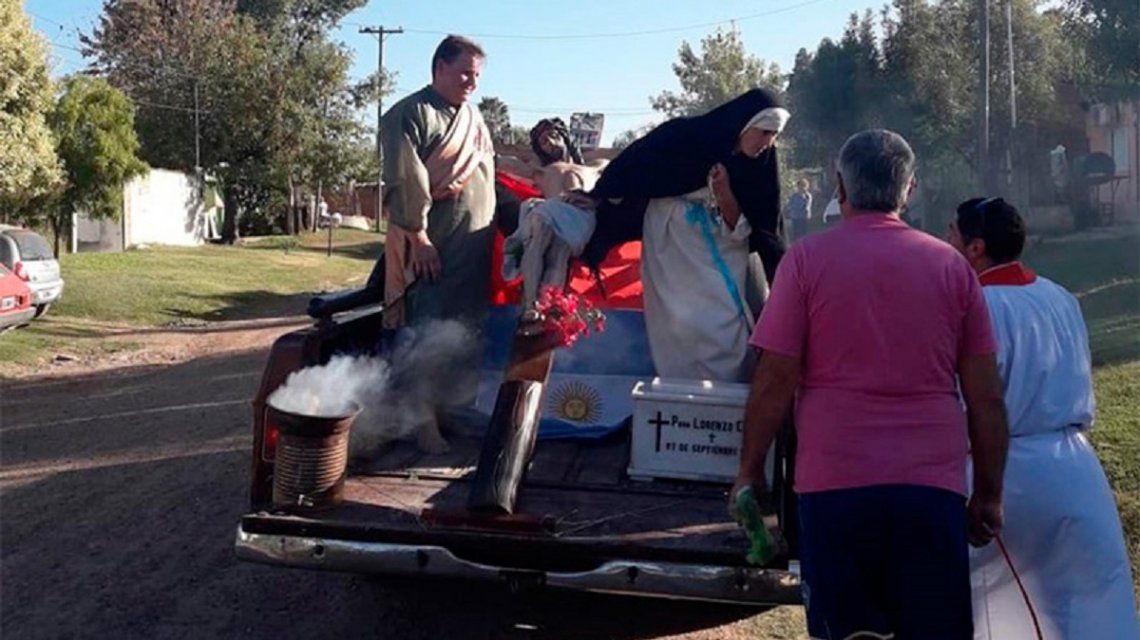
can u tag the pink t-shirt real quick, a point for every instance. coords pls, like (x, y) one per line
(878, 314)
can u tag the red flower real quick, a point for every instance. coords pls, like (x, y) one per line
(568, 316)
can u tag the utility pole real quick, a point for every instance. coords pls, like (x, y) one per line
(984, 94)
(197, 132)
(1012, 91)
(380, 31)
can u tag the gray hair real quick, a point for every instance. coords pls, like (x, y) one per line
(876, 167)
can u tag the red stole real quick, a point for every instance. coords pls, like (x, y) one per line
(1014, 274)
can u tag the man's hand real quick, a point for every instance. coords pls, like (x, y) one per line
(989, 440)
(722, 191)
(425, 258)
(759, 488)
(718, 180)
(983, 519)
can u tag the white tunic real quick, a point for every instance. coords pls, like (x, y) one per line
(697, 322)
(1061, 528)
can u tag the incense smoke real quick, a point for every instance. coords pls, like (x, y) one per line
(428, 369)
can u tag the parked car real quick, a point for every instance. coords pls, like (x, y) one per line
(15, 300)
(30, 257)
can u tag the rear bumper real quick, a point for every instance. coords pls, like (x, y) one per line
(737, 585)
(16, 318)
(46, 293)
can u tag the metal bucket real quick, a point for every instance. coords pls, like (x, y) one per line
(312, 454)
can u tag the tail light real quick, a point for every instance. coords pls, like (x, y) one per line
(269, 436)
(21, 271)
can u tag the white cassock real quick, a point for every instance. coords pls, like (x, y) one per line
(693, 270)
(1061, 528)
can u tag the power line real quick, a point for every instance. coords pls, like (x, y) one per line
(612, 34)
(46, 19)
(616, 111)
(64, 46)
(134, 66)
(56, 22)
(170, 107)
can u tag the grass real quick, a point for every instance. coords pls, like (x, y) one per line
(1104, 274)
(1116, 437)
(215, 282)
(270, 277)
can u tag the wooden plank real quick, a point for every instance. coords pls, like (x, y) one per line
(552, 462)
(513, 431)
(603, 463)
(457, 462)
(694, 520)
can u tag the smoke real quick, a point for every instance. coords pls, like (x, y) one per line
(428, 369)
(332, 389)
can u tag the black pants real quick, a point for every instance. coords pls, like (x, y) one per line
(888, 559)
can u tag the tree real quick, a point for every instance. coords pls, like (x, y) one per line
(272, 91)
(1108, 31)
(921, 80)
(159, 54)
(518, 135)
(836, 91)
(498, 119)
(94, 126)
(29, 169)
(628, 137)
(723, 71)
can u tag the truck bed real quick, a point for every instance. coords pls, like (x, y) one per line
(580, 522)
(576, 502)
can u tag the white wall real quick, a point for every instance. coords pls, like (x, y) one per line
(159, 207)
(163, 207)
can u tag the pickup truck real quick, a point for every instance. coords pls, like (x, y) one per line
(581, 522)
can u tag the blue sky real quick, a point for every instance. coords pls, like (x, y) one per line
(538, 75)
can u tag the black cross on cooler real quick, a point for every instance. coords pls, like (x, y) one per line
(658, 422)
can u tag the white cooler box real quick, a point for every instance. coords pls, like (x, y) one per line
(688, 429)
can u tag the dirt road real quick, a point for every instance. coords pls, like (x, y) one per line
(120, 493)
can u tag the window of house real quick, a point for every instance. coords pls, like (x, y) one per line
(1120, 149)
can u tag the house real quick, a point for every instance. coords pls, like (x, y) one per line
(160, 207)
(1114, 129)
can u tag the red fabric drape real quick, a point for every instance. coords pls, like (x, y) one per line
(621, 270)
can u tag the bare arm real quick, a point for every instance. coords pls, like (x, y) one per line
(725, 199)
(513, 165)
(773, 389)
(989, 441)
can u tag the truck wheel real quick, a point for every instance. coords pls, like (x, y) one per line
(42, 309)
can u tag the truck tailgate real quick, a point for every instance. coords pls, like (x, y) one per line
(581, 523)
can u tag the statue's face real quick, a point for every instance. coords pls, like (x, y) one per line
(754, 141)
(550, 142)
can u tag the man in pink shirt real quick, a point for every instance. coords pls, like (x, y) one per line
(872, 327)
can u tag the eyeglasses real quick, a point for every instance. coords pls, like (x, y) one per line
(981, 206)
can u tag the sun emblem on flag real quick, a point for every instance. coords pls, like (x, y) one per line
(576, 402)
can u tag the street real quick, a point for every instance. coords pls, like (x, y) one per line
(120, 493)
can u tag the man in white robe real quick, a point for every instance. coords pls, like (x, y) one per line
(1062, 530)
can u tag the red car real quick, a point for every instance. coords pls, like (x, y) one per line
(15, 300)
